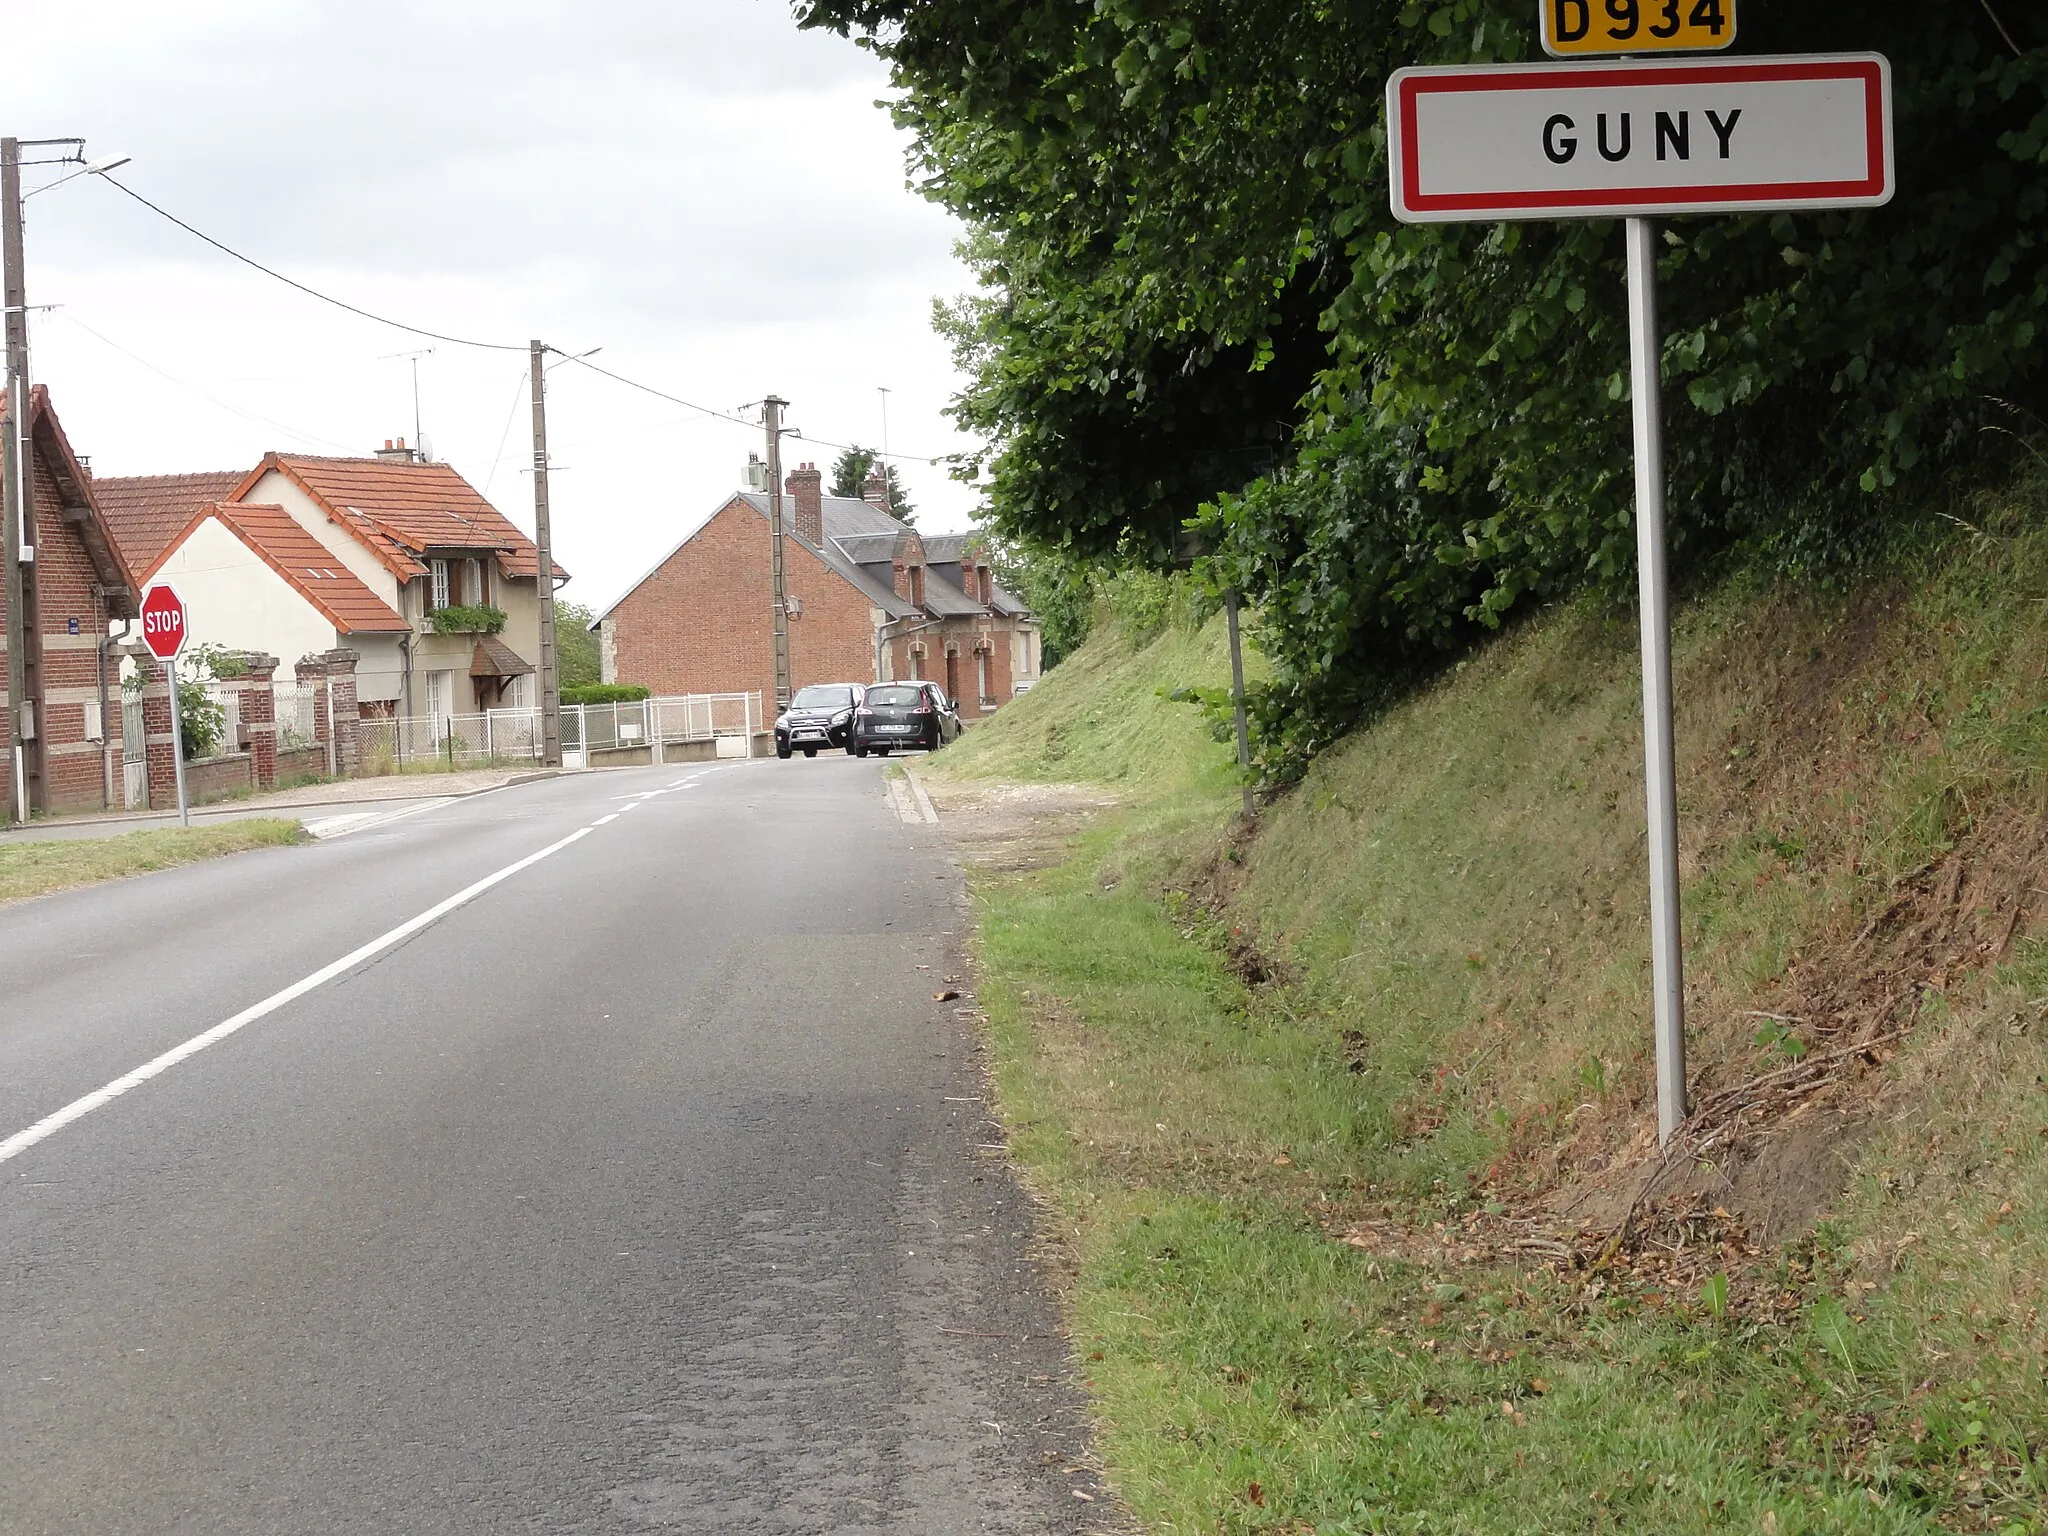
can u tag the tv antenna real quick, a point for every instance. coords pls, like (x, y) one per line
(418, 438)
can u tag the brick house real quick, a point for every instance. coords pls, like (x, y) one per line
(870, 599)
(404, 538)
(75, 584)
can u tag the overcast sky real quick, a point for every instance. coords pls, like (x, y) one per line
(695, 186)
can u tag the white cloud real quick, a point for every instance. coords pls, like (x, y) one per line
(694, 185)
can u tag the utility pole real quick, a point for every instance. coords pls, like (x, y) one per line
(550, 679)
(771, 413)
(13, 466)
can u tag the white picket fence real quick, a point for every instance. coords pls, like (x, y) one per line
(391, 744)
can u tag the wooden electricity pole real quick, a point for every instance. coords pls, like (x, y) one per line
(771, 412)
(550, 677)
(13, 462)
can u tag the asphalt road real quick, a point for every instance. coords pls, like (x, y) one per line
(646, 1189)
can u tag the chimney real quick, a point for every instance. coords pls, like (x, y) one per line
(395, 452)
(876, 491)
(807, 486)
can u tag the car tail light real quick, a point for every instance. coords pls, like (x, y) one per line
(922, 709)
(864, 713)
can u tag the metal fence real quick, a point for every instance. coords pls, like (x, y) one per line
(229, 698)
(395, 744)
(297, 724)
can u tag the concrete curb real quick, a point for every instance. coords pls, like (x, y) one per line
(925, 808)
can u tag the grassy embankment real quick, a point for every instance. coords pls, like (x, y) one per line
(38, 868)
(1345, 1120)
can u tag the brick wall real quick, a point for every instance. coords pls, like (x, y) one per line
(67, 677)
(701, 622)
(208, 779)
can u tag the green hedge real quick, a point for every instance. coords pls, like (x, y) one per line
(604, 693)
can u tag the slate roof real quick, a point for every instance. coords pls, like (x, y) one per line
(844, 513)
(277, 538)
(402, 509)
(860, 540)
(143, 512)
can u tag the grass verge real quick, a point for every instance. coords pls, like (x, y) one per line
(1324, 1113)
(38, 868)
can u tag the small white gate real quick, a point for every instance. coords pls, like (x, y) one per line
(134, 754)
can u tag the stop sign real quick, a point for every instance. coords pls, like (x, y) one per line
(163, 622)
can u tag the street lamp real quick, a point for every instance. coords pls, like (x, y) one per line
(94, 168)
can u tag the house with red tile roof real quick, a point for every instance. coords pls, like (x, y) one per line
(76, 582)
(421, 540)
(253, 579)
(143, 511)
(303, 554)
(869, 599)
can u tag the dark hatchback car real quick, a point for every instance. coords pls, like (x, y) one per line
(902, 715)
(820, 715)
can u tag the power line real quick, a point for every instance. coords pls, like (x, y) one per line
(661, 394)
(518, 394)
(292, 282)
(738, 421)
(188, 385)
(466, 341)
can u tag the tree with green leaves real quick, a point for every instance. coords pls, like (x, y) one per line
(577, 661)
(1195, 306)
(850, 473)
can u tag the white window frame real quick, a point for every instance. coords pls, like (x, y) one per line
(437, 590)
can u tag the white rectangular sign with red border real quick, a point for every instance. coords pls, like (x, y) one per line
(1479, 143)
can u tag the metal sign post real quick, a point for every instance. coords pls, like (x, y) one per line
(164, 632)
(1660, 773)
(1484, 143)
(178, 744)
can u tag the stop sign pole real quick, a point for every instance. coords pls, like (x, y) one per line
(163, 634)
(1491, 142)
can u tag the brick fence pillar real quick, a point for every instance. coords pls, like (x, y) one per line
(257, 683)
(348, 735)
(158, 742)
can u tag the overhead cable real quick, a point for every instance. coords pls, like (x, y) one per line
(292, 282)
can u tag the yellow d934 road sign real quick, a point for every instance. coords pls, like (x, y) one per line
(1578, 28)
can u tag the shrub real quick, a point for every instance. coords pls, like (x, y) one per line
(604, 693)
(476, 619)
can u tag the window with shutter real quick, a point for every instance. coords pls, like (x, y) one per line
(439, 598)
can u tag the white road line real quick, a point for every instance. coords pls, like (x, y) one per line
(625, 808)
(77, 1109)
(603, 819)
(330, 827)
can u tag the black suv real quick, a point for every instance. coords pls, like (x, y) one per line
(820, 715)
(898, 715)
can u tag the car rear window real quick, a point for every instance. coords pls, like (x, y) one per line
(818, 696)
(895, 698)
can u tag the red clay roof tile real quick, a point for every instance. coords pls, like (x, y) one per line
(403, 509)
(144, 511)
(278, 539)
